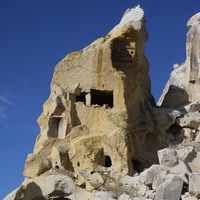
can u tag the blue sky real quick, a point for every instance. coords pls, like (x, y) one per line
(36, 34)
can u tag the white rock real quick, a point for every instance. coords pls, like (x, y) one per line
(12, 195)
(99, 195)
(167, 158)
(150, 194)
(134, 16)
(192, 107)
(129, 180)
(182, 170)
(190, 120)
(194, 184)
(186, 196)
(124, 197)
(150, 175)
(170, 190)
(160, 179)
(197, 139)
(187, 154)
(194, 20)
(195, 164)
(136, 183)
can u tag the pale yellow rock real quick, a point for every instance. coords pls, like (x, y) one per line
(99, 108)
(36, 165)
(97, 124)
(187, 133)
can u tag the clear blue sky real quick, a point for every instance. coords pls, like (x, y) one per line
(36, 34)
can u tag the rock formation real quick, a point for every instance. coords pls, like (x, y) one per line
(100, 126)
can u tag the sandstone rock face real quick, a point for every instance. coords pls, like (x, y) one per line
(36, 165)
(100, 127)
(100, 105)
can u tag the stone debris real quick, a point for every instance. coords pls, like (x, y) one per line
(102, 135)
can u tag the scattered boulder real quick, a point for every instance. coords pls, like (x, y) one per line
(186, 154)
(195, 164)
(149, 175)
(171, 189)
(190, 120)
(167, 158)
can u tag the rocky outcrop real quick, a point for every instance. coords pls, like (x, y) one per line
(100, 105)
(183, 85)
(179, 103)
(102, 135)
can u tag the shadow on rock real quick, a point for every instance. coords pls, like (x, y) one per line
(175, 97)
(31, 191)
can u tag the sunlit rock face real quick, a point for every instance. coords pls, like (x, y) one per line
(179, 104)
(184, 83)
(100, 126)
(98, 114)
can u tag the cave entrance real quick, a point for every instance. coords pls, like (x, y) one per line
(82, 97)
(101, 97)
(53, 127)
(137, 166)
(102, 159)
(96, 97)
(108, 162)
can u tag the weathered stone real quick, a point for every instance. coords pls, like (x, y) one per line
(182, 170)
(36, 165)
(165, 116)
(97, 96)
(177, 78)
(91, 181)
(46, 186)
(99, 195)
(177, 94)
(191, 107)
(150, 175)
(170, 190)
(14, 195)
(194, 20)
(136, 183)
(197, 137)
(100, 124)
(124, 197)
(187, 154)
(60, 159)
(194, 165)
(194, 184)
(190, 120)
(150, 194)
(185, 78)
(187, 133)
(160, 179)
(186, 196)
(129, 180)
(167, 158)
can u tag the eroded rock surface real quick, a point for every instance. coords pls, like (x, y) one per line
(102, 135)
(100, 105)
